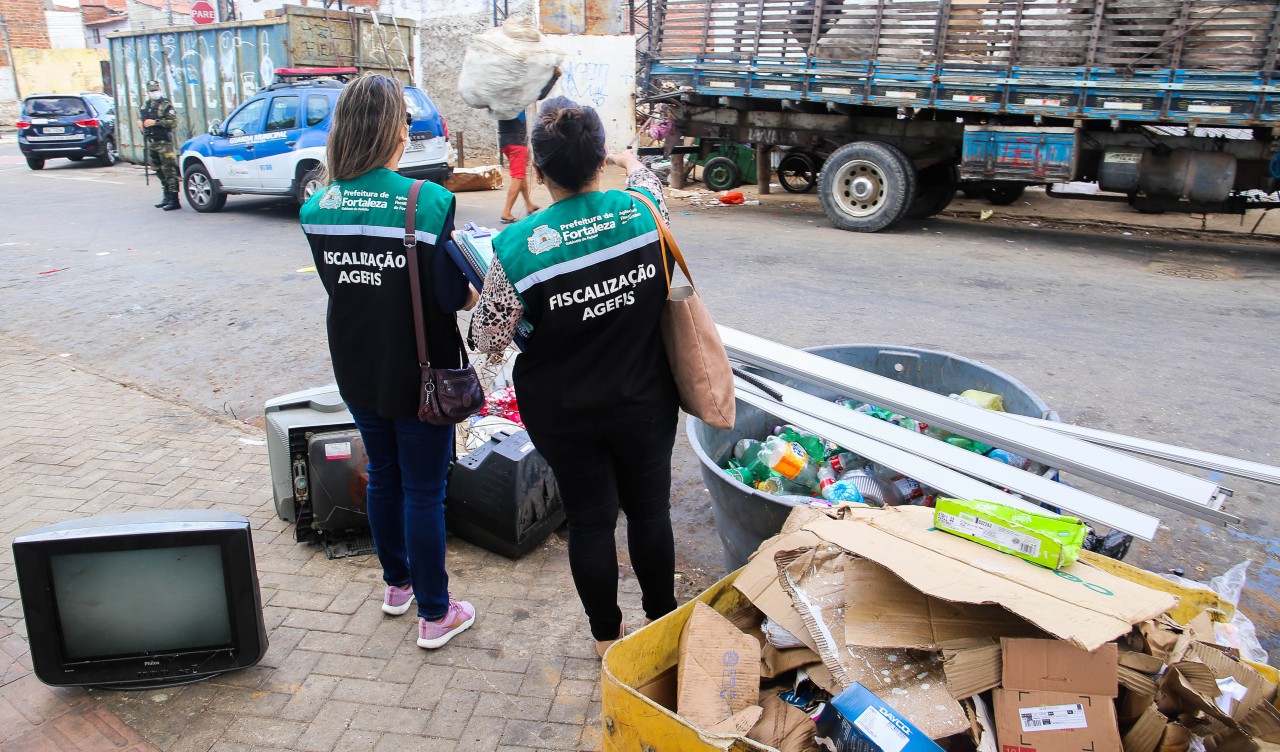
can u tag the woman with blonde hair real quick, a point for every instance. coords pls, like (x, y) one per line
(356, 228)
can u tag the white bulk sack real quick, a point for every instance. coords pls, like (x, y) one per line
(506, 67)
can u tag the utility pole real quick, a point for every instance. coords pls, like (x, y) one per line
(8, 51)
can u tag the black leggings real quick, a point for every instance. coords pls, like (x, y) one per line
(599, 469)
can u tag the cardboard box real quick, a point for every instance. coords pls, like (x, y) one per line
(1082, 604)
(1056, 698)
(784, 727)
(1048, 540)
(859, 721)
(718, 673)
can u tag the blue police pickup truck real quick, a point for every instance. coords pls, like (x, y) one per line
(274, 143)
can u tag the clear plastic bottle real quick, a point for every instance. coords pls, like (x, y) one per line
(791, 461)
(815, 446)
(843, 462)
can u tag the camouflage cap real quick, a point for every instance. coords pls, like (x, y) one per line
(153, 85)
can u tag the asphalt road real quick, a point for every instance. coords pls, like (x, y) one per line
(1166, 339)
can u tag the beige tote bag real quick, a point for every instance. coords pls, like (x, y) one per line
(694, 349)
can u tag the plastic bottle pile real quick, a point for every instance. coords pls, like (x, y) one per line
(805, 468)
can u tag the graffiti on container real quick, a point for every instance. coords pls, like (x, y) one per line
(228, 44)
(266, 66)
(209, 68)
(169, 45)
(586, 82)
(130, 70)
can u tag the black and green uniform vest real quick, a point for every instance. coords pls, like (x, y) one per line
(589, 272)
(356, 231)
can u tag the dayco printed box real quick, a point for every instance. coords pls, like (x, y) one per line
(858, 721)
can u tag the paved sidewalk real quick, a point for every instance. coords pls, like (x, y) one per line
(339, 675)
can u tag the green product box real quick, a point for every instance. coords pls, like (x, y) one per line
(1045, 539)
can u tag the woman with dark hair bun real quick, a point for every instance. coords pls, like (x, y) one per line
(595, 388)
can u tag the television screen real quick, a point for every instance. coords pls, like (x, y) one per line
(131, 602)
(141, 599)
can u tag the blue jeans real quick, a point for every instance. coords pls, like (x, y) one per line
(408, 462)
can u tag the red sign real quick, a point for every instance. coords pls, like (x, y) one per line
(203, 13)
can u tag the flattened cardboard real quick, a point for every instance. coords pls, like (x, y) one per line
(1141, 662)
(892, 614)
(1137, 682)
(784, 727)
(774, 662)
(758, 581)
(1080, 603)
(972, 666)
(739, 723)
(1224, 667)
(859, 720)
(1055, 666)
(913, 682)
(718, 673)
(1055, 721)
(1145, 734)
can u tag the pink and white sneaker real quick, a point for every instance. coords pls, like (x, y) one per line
(434, 634)
(397, 600)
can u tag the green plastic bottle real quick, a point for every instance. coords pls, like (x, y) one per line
(813, 445)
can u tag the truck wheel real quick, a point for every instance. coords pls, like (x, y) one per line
(202, 195)
(309, 184)
(721, 174)
(798, 172)
(936, 188)
(1003, 195)
(35, 163)
(866, 186)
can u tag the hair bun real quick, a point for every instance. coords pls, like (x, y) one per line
(560, 122)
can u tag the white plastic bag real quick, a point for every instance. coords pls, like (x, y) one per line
(1238, 633)
(505, 68)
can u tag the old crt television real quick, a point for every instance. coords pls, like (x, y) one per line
(142, 599)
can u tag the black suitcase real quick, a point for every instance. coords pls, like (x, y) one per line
(503, 496)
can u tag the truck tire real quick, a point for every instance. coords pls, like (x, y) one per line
(798, 172)
(936, 187)
(202, 194)
(1003, 195)
(866, 186)
(721, 174)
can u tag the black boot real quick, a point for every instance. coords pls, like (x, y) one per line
(172, 202)
(164, 201)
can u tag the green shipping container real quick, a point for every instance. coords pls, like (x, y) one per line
(210, 70)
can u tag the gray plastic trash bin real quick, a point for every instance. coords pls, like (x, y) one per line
(746, 517)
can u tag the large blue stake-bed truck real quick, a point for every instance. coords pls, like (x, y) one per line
(889, 107)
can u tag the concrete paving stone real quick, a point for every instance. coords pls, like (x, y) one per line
(38, 703)
(251, 678)
(485, 681)
(293, 670)
(578, 687)
(542, 735)
(569, 709)
(94, 731)
(273, 617)
(482, 733)
(333, 642)
(505, 705)
(286, 597)
(357, 741)
(592, 737)
(162, 716)
(428, 686)
(449, 718)
(369, 691)
(327, 728)
(264, 732)
(389, 636)
(374, 717)
(259, 703)
(587, 669)
(12, 722)
(414, 743)
(310, 698)
(543, 675)
(353, 596)
(332, 664)
(315, 621)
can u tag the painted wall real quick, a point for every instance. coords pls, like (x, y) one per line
(600, 71)
(66, 28)
(58, 71)
(8, 102)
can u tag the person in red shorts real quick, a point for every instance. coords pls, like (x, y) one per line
(513, 142)
(513, 137)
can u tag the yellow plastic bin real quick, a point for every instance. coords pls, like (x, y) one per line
(642, 667)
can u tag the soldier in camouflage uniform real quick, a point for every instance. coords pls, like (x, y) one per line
(157, 124)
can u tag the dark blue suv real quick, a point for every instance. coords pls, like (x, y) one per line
(73, 126)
